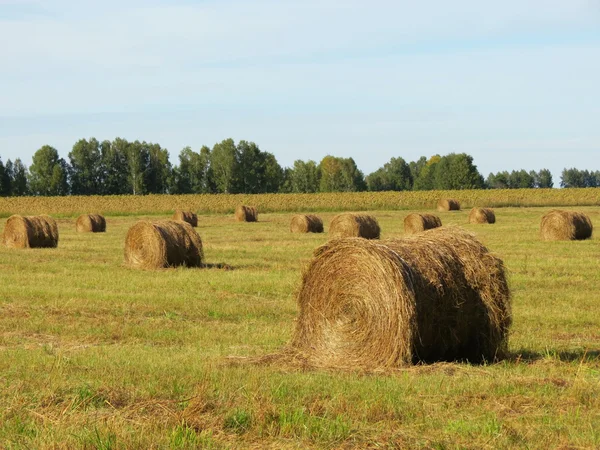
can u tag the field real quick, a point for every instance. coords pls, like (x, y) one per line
(95, 355)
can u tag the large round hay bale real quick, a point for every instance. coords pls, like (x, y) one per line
(91, 223)
(482, 215)
(354, 225)
(186, 216)
(306, 223)
(245, 213)
(438, 296)
(559, 225)
(30, 232)
(417, 222)
(448, 204)
(161, 244)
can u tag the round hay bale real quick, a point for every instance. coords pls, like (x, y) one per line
(306, 223)
(482, 215)
(415, 223)
(161, 244)
(438, 296)
(448, 204)
(30, 232)
(245, 213)
(559, 225)
(354, 225)
(91, 223)
(186, 216)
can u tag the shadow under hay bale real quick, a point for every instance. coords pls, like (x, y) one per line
(90, 223)
(186, 216)
(559, 225)
(448, 204)
(306, 223)
(415, 223)
(438, 296)
(354, 225)
(245, 213)
(30, 232)
(162, 244)
(482, 215)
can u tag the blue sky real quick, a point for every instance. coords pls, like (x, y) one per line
(516, 84)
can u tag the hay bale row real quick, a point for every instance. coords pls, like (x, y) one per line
(186, 216)
(306, 223)
(90, 223)
(162, 244)
(559, 225)
(354, 225)
(415, 223)
(30, 232)
(438, 296)
(482, 215)
(448, 204)
(245, 213)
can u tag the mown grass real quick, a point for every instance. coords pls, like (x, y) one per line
(95, 355)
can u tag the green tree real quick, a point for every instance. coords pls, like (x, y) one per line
(426, 179)
(20, 176)
(273, 174)
(157, 172)
(137, 163)
(340, 175)
(114, 167)
(48, 173)
(416, 167)
(498, 181)
(223, 165)
(304, 176)
(5, 180)
(457, 171)
(543, 179)
(86, 167)
(395, 175)
(521, 179)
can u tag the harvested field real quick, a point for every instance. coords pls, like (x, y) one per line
(94, 355)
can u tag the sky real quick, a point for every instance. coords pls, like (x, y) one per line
(515, 84)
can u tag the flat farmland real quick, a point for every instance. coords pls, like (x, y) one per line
(97, 355)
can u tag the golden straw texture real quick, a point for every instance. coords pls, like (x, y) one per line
(161, 244)
(436, 296)
(30, 232)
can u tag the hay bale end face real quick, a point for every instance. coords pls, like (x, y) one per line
(90, 223)
(482, 215)
(559, 225)
(415, 223)
(30, 232)
(448, 204)
(354, 225)
(162, 244)
(186, 216)
(245, 213)
(438, 296)
(306, 223)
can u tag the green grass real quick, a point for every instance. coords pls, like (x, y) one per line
(95, 355)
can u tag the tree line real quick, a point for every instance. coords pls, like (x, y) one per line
(123, 167)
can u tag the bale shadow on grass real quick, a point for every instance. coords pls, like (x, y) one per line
(218, 266)
(528, 356)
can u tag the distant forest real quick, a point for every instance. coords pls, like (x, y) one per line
(122, 167)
